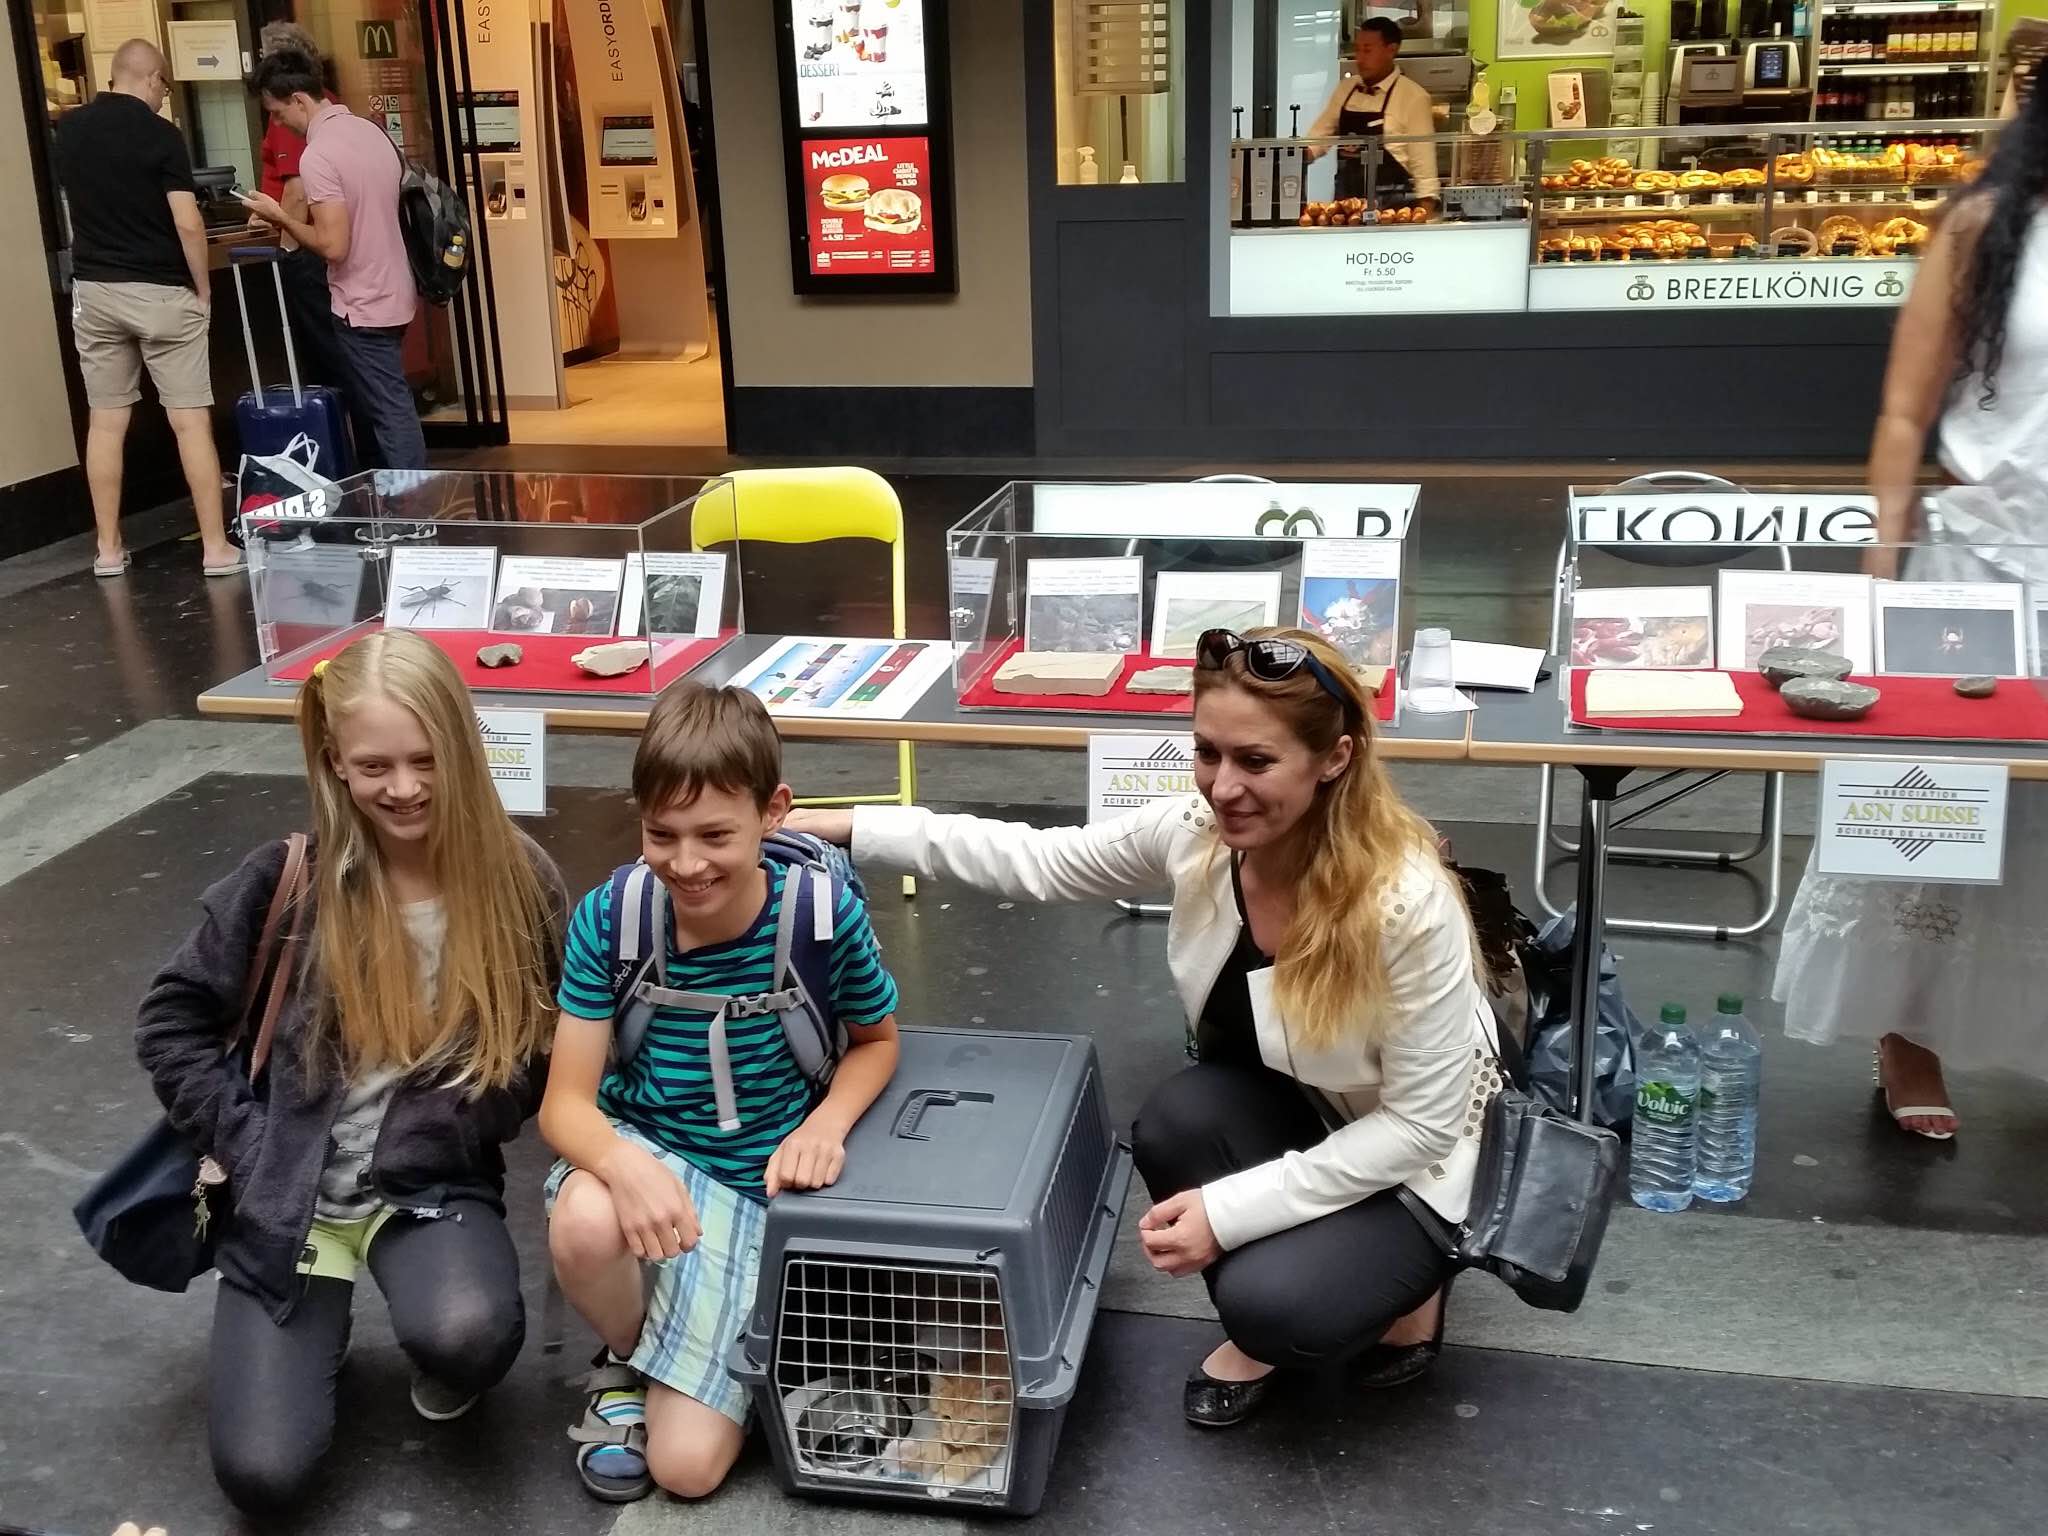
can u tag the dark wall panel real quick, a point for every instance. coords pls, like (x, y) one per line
(1123, 329)
(880, 423)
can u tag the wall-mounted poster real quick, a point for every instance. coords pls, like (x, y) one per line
(1556, 29)
(866, 137)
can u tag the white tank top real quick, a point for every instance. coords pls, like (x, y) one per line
(2008, 444)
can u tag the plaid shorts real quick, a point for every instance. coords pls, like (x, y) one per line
(698, 1305)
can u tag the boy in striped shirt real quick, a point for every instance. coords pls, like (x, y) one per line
(650, 1170)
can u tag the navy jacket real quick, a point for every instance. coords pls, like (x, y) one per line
(437, 1143)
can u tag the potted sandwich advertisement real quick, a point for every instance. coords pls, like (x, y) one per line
(868, 205)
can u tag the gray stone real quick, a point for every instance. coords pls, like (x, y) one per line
(1976, 687)
(499, 656)
(614, 660)
(1825, 698)
(1162, 680)
(1782, 663)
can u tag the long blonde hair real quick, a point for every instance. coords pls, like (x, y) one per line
(493, 1007)
(1330, 978)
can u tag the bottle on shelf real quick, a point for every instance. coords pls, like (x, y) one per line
(1088, 174)
(1731, 1074)
(1663, 1143)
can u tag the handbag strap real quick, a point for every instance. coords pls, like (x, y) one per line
(289, 896)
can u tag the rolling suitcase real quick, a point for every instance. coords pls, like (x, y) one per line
(268, 420)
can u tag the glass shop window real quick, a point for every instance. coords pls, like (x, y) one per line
(1118, 73)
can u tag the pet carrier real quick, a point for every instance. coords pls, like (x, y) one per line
(919, 1326)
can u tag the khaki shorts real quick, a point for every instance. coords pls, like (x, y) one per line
(122, 326)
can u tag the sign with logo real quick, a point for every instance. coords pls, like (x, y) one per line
(1938, 822)
(1693, 517)
(1398, 270)
(1130, 770)
(376, 39)
(1225, 509)
(1838, 282)
(868, 203)
(515, 747)
(866, 131)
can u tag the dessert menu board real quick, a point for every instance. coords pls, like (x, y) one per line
(859, 63)
(866, 138)
(866, 204)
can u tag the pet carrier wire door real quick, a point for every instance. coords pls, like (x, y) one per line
(919, 1327)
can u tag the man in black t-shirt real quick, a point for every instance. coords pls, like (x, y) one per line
(140, 293)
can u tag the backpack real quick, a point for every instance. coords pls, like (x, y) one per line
(435, 226)
(817, 873)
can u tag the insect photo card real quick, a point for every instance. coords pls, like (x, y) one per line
(440, 588)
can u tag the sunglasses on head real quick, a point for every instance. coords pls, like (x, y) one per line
(1270, 661)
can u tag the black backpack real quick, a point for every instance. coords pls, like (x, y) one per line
(435, 226)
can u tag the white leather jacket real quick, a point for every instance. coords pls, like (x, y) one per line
(1409, 1104)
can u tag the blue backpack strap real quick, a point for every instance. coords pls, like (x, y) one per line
(787, 847)
(639, 952)
(810, 903)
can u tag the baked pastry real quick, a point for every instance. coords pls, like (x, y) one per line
(1793, 235)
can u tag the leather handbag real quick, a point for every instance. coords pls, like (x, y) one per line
(155, 1214)
(1540, 1200)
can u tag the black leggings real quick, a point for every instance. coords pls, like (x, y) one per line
(1313, 1294)
(453, 1289)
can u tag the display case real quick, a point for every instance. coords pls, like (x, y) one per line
(513, 575)
(1950, 628)
(1103, 589)
(1793, 215)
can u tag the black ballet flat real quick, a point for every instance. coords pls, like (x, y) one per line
(1217, 1404)
(1395, 1365)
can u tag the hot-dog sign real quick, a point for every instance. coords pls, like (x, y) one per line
(868, 203)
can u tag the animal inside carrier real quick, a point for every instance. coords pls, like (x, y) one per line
(919, 1327)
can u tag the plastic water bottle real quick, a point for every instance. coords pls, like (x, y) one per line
(1731, 1069)
(1660, 1162)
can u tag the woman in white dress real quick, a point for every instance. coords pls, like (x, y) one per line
(1947, 973)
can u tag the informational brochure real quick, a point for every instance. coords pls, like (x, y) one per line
(1643, 627)
(1351, 596)
(1096, 606)
(1186, 603)
(819, 677)
(675, 594)
(1952, 629)
(549, 595)
(438, 587)
(1807, 611)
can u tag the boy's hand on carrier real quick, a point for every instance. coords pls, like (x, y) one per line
(1177, 1236)
(811, 1157)
(655, 1214)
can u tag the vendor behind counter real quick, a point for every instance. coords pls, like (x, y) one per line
(1380, 102)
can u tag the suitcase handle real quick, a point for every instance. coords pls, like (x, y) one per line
(254, 253)
(240, 256)
(913, 1112)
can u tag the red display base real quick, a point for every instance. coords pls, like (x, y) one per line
(545, 667)
(1912, 708)
(982, 694)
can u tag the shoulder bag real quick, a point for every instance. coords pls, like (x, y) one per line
(1540, 1199)
(153, 1215)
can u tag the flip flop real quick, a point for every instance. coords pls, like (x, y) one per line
(1901, 1113)
(113, 568)
(239, 566)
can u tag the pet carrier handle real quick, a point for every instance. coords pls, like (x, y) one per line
(1073, 1344)
(912, 1114)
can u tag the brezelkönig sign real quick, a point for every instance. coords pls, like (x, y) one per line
(1722, 517)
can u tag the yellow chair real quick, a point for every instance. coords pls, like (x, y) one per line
(805, 506)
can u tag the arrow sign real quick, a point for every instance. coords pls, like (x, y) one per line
(208, 61)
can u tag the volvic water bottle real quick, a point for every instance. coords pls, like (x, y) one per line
(1731, 1068)
(1660, 1162)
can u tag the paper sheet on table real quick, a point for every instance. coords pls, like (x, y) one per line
(1477, 664)
(1438, 701)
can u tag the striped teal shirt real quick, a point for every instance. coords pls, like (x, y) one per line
(666, 1090)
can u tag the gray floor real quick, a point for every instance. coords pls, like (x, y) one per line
(1861, 1347)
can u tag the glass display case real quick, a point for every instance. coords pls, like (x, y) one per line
(1945, 630)
(1088, 598)
(1796, 215)
(515, 576)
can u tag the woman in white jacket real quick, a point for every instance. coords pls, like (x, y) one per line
(1325, 960)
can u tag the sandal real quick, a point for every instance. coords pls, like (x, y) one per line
(1901, 1113)
(611, 1453)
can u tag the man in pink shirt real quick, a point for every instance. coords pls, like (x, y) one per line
(350, 172)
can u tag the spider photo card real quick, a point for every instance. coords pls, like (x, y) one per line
(440, 588)
(1952, 629)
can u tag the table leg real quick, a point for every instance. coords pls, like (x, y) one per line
(1601, 786)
